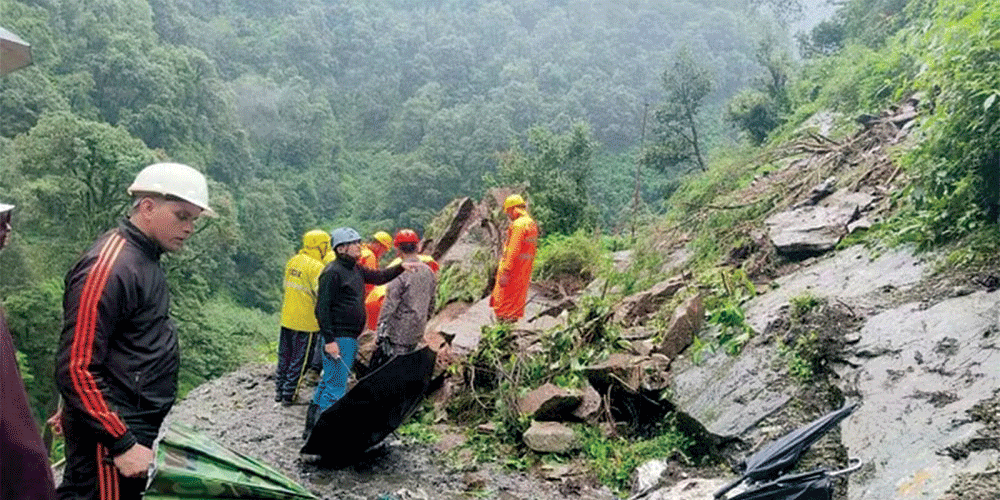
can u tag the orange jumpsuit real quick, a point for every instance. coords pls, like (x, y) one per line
(516, 262)
(369, 260)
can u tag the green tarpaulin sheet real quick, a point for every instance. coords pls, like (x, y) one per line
(189, 465)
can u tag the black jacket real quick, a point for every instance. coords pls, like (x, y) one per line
(340, 304)
(118, 354)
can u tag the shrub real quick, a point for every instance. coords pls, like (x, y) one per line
(577, 255)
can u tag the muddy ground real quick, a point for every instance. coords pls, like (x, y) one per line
(238, 411)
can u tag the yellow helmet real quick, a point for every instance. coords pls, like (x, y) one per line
(514, 200)
(316, 239)
(383, 238)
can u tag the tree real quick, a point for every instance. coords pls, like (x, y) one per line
(556, 170)
(787, 11)
(76, 172)
(676, 121)
(755, 113)
(759, 111)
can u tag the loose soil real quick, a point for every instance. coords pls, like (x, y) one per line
(238, 411)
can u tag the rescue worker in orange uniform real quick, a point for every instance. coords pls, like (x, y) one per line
(376, 296)
(514, 269)
(381, 245)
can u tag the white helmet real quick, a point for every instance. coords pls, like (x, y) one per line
(174, 179)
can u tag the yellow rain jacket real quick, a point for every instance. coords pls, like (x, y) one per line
(298, 309)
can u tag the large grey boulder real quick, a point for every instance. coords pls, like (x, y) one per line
(550, 437)
(636, 308)
(684, 324)
(814, 229)
(549, 402)
(730, 395)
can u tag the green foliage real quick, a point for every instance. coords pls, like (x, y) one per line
(556, 171)
(614, 459)
(457, 284)
(955, 164)
(218, 336)
(577, 255)
(500, 373)
(802, 304)
(676, 125)
(76, 172)
(23, 368)
(643, 271)
(726, 312)
(874, 80)
(34, 316)
(802, 356)
(418, 432)
(755, 113)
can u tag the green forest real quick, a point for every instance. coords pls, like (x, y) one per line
(614, 117)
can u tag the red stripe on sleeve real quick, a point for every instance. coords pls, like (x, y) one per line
(83, 338)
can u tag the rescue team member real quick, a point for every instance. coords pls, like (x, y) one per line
(340, 310)
(375, 297)
(381, 245)
(299, 328)
(514, 270)
(409, 300)
(24, 462)
(118, 357)
(370, 260)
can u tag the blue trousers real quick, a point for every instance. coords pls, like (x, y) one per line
(335, 373)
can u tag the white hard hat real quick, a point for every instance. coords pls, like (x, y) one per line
(5, 208)
(174, 179)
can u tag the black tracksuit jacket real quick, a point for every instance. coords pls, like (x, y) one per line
(118, 354)
(340, 303)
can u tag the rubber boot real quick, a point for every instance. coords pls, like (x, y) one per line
(312, 414)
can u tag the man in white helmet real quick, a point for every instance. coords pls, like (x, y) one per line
(118, 357)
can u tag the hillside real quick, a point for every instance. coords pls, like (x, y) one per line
(781, 236)
(895, 331)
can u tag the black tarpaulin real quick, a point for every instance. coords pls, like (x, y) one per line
(376, 406)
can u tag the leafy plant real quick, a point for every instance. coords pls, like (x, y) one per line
(576, 255)
(456, 283)
(614, 459)
(418, 432)
(802, 304)
(802, 356)
(726, 312)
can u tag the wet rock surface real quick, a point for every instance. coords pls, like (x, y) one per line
(237, 410)
(917, 350)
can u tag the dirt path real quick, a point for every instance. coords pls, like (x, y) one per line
(238, 411)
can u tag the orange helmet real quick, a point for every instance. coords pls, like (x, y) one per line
(406, 236)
